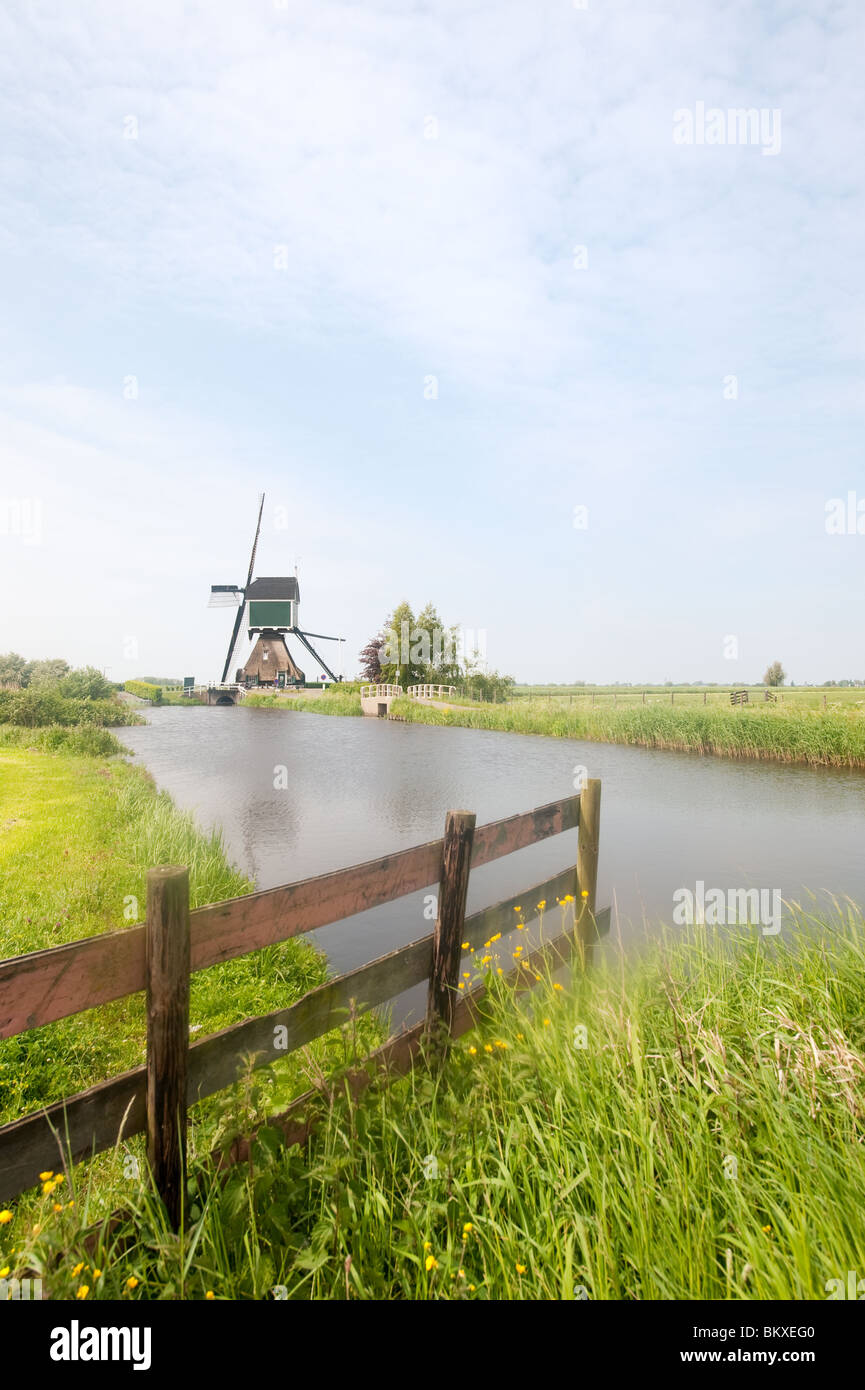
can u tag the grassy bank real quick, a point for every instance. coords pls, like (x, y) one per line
(832, 739)
(77, 835)
(700, 1139)
(333, 700)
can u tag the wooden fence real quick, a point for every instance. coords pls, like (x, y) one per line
(158, 957)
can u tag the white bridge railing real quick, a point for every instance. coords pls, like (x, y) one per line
(382, 692)
(431, 692)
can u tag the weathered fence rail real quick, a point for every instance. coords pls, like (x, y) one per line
(158, 957)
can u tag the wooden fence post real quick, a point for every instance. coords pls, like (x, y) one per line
(587, 862)
(450, 921)
(167, 947)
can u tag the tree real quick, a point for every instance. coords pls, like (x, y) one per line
(400, 663)
(85, 683)
(49, 672)
(370, 659)
(14, 669)
(436, 648)
(775, 674)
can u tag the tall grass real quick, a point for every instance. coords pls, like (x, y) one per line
(40, 706)
(78, 739)
(831, 739)
(333, 700)
(700, 1139)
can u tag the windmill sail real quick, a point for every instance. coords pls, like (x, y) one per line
(223, 587)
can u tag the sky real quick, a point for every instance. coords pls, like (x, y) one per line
(460, 288)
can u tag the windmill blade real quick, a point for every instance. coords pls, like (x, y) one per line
(239, 619)
(255, 542)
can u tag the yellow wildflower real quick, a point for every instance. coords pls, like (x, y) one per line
(97, 1274)
(497, 937)
(472, 1051)
(83, 1291)
(465, 945)
(132, 1282)
(471, 1288)
(499, 1043)
(48, 1188)
(558, 986)
(210, 1295)
(468, 1228)
(427, 1245)
(58, 1206)
(4, 1272)
(518, 909)
(519, 1037)
(546, 1023)
(431, 1263)
(5, 1218)
(521, 1269)
(77, 1270)
(46, 1176)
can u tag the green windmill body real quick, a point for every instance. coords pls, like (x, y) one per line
(272, 608)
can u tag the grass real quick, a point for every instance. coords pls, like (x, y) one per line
(801, 733)
(700, 1139)
(833, 738)
(77, 835)
(333, 700)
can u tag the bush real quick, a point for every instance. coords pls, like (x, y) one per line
(36, 707)
(145, 691)
(56, 738)
(85, 683)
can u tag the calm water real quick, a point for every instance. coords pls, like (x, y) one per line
(360, 788)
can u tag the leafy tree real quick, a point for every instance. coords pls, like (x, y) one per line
(85, 683)
(400, 662)
(775, 674)
(370, 659)
(48, 673)
(439, 646)
(14, 669)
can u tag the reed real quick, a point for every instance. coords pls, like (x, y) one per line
(833, 739)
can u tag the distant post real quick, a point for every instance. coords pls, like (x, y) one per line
(167, 947)
(450, 922)
(587, 863)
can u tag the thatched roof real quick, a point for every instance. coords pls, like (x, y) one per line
(269, 656)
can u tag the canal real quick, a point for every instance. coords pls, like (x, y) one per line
(299, 794)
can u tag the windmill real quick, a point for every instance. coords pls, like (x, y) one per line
(273, 605)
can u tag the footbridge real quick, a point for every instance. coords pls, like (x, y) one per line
(376, 700)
